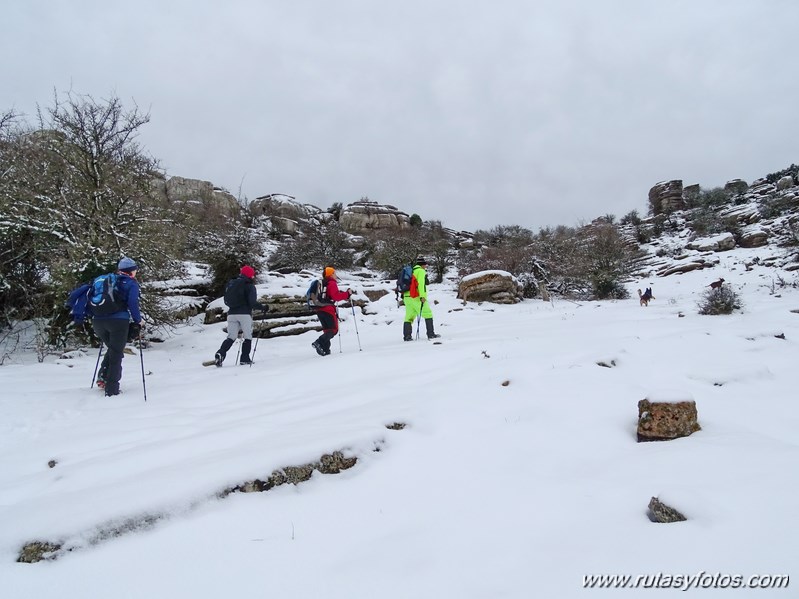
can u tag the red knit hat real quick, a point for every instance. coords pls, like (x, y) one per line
(248, 271)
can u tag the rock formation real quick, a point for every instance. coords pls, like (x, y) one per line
(200, 196)
(720, 243)
(495, 286)
(365, 215)
(666, 196)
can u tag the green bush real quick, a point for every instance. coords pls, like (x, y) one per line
(722, 300)
(607, 286)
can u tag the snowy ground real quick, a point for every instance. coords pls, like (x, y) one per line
(490, 491)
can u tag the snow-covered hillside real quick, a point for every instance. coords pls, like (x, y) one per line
(517, 473)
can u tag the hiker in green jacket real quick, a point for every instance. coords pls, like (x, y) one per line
(416, 303)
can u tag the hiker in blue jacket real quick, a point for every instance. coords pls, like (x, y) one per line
(112, 329)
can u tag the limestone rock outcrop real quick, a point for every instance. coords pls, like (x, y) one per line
(279, 205)
(365, 215)
(719, 243)
(201, 196)
(497, 286)
(785, 183)
(736, 187)
(666, 196)
(752, 237)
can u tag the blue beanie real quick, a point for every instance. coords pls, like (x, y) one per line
(127, 264)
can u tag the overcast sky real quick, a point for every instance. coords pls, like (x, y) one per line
(473, 113)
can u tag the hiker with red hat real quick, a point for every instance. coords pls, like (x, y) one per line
(325, 308)
(241, 300)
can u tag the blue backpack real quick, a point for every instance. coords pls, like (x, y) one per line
(316, 295)
(404, 279)
(104, 297)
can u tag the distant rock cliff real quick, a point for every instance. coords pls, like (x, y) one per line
(200, 197)
(365, 215)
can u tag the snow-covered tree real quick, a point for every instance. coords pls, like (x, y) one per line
(79, 187)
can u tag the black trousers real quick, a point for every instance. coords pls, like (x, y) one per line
(329, 328)
(113, 332)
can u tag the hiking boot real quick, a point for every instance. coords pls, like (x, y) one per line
(431, 334)
(218, 359)
(100, 384)
(245, 352)
(407, 331)
(319, 349)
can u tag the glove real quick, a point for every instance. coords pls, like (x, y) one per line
(134, 331)
(423, 300)
(349, 292)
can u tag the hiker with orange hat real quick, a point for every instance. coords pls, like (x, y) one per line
(326, 310)
(240, 297)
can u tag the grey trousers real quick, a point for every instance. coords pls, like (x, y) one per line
(239, 322)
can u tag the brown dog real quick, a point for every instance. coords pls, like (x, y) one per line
(645, 297)
(716, 284)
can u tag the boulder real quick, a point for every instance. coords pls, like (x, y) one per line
(365, 215)
(283, 206)
(785, 183)
(736, 187)
(662, 513)
(666, 420)
(497, 286)
(466, 244)
(718, 243)
(752, 237)
(286, 226)
(744, 214)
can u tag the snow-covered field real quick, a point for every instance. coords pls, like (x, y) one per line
(489, 491)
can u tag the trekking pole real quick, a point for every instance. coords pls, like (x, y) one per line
(418, 322)
(97, 364)
(338, 330)
(254, 349)
(355, 320)
(141, 357)
(238, 348)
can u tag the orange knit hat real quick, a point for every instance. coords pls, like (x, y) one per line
(329, 272)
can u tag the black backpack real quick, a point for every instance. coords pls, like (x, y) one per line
(235, 293)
